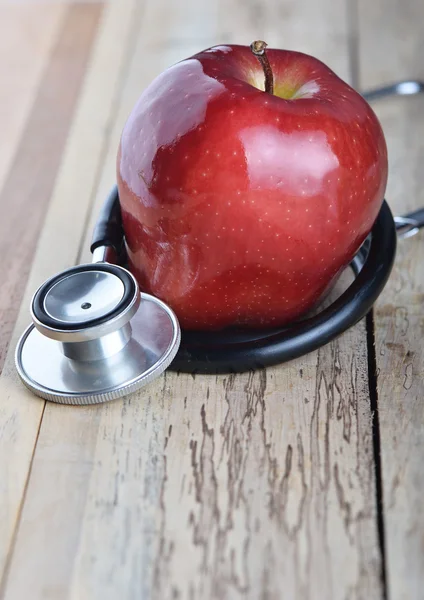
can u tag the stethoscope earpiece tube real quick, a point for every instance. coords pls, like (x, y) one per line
(108, 230)
(417, 216)
(410, 224)
(408, 87)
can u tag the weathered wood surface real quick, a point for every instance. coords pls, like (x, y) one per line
(391, 33)
(255, 486)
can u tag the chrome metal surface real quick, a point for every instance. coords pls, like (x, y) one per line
(105, 254)
(409, 87)
(47, 372)
(406, 227)
(103, 347)
(82, 297)
(99, 301)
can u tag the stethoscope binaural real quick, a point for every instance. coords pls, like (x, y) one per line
(96, 337)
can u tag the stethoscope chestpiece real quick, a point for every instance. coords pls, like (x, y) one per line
(94, 337)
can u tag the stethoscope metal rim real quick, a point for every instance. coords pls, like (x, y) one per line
(79, 332)
(130, 386)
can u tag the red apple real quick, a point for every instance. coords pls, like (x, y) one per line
(241, 207)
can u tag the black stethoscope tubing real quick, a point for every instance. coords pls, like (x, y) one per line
(234, 350)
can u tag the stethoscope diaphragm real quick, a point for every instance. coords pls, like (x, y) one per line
(95, 337)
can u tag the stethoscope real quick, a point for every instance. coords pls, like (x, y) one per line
(95, 337)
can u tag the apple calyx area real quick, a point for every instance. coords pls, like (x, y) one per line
(258, 48)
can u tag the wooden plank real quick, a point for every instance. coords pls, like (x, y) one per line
(395, 53)
(252, 486)
(31, 176)
(28, 35)
(20, 412)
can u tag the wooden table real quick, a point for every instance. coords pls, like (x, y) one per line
(299, 482)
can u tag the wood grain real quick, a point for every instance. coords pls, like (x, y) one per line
(27, 37)
(20, 412)
(254, 486)
(395, 53)
(27, 189)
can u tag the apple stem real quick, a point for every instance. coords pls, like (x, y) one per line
(258, 49)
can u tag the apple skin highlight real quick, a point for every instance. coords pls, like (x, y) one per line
(240, 207)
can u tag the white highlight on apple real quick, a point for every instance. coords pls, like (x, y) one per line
(270, 152)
